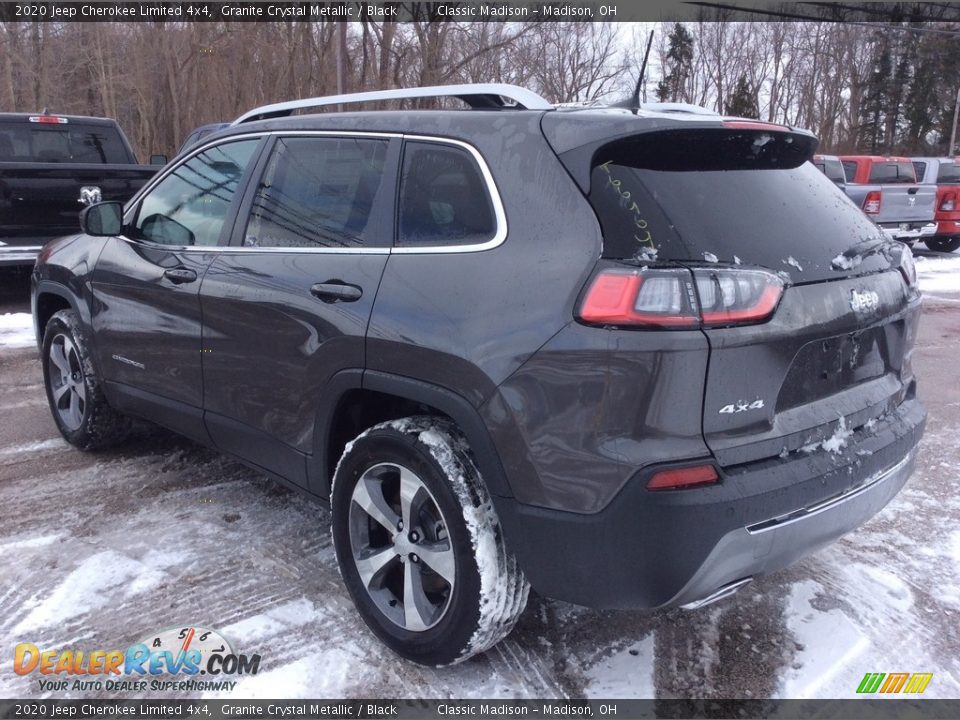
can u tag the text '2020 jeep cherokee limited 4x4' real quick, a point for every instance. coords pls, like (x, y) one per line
(630, 358)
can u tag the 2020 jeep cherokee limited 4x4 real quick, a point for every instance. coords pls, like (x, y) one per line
(631, 359)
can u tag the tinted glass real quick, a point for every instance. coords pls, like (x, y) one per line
(849, 170)
(761, 217)
(70, 143)
(318, 192)
(892, 172)
(948, 173)
(191, 204)
(443, 198)
(834, 171)
(919, 168)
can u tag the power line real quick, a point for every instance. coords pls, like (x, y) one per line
(811, 18)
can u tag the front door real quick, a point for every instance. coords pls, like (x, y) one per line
(146, 307)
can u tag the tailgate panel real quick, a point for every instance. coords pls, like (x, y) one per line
(787, 383)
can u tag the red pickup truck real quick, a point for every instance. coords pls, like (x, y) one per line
(944, 172)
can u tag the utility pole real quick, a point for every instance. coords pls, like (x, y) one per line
(953, 128)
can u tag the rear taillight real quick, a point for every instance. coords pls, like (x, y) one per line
(948, 203)
(683, 478)
(677, 298)
(871, 203)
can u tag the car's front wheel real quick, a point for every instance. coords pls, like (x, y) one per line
(79, 408)
(419, 545)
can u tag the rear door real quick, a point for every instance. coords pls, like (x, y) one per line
(146, 306)
(286, 307)
(722, 202)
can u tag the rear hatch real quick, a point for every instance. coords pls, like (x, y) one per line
(720, 202)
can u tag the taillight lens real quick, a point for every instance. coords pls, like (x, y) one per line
(871, 203)
(683, 478)
(677, 298)
(949, 202)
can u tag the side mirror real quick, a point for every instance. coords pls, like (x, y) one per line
(102, 220)
(158, 159)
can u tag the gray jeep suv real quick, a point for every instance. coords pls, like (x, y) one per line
(627, 358)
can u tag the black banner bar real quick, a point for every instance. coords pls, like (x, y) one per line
(466, 11)
(480, 709)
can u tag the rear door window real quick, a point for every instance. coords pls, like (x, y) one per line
(444, 200)
(320, 192)
(698, 197)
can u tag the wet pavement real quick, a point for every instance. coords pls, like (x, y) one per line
(101, 550)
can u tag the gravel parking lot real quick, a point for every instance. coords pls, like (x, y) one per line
(100, 550)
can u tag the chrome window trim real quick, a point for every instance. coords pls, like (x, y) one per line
(500, 234)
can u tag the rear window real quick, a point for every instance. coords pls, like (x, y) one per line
(831, 168)
(949, 172)
(690, 197)
(849, 170)
(69, 143)
(886, 173)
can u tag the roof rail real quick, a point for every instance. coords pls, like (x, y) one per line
(477, 95)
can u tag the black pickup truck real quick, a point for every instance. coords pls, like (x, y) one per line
(51, 166)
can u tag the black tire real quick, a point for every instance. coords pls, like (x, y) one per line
(479, 606)
(947, 245)
(92, 424)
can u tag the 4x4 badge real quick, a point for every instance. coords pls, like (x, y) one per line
(741, 406)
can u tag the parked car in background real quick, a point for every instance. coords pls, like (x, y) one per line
(547, 361)
(831, 166)
(887, 190)
(51, 166)
(200, 133)
(944, 172)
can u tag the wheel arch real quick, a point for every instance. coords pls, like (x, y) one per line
(360, 399)
(49, 299)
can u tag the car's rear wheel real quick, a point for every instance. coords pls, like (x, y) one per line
(79, 408)
(943, 244)
(419, 545)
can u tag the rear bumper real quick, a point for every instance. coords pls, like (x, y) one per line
(948, 228)
(648, 550)
(909, 230)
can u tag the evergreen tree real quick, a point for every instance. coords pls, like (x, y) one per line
(742, 102)
(678, 65)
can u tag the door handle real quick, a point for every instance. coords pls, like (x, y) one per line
(180, 275)
(336, 291)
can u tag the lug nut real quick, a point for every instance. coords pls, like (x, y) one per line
(400, 525)
(414, 537)
(414, 558)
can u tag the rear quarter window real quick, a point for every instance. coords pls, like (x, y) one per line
(444, 199)
(888, 173)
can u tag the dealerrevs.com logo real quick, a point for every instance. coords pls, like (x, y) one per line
(170, 660)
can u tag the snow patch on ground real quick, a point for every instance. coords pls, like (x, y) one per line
(16, 330)
(33, 447)
(99, 581)
(828, 644)
(627, 673)
(938, 274)
(275, 621)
